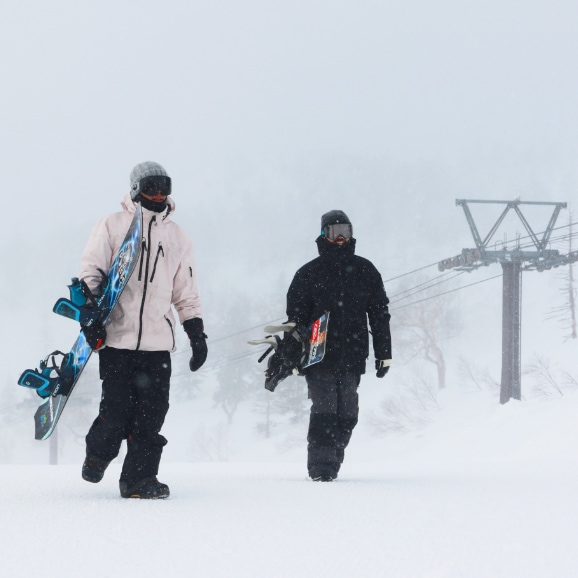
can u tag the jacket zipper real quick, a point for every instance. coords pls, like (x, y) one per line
(144, 248)
(159, 251)
(146, 278)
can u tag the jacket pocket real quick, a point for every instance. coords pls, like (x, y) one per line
(172, 332)
(160, 251)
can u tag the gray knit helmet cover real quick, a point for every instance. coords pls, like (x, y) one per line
(142, 170)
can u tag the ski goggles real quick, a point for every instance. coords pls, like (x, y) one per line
(332, 232)
(150, 185)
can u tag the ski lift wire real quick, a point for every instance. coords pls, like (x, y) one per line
(394, 300)
(411, 272)
(261, 325)
(450, 291)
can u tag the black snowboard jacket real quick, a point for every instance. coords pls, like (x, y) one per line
(351, 289)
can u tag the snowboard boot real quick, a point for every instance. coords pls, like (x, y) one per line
(323, 476)
(93, 469)
(149, 489)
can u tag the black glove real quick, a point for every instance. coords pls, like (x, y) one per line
(290, 350)
(382, 366)
(194, 329)
(95, 334)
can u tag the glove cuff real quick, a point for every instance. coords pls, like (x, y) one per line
(379, 363)
(194, 328)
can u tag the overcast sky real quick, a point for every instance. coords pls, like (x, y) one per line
(91, 88)
(250, 103)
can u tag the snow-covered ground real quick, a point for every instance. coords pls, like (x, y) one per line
(482, 490)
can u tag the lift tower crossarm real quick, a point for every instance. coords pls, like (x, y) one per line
(539, 244)
(477, 239)
(550, 227)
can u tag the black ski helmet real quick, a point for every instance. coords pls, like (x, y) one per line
(334, 217)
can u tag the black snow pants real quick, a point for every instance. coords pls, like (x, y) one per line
(135, 401)
(334, 414)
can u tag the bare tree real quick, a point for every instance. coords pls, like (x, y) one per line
(566, 312)
(471, 374)
(289, 399)
(421, 326)
(410, 407)
(264, 407)
(210, 446)
(547, 379)
(234, 377)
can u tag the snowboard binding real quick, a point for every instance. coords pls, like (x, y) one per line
(51, 378)
(287, 353)
(82, 305)
(300, 348)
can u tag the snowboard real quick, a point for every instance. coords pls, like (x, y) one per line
(59, 372)
(284, 360)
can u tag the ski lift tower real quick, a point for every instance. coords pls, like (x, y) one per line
(513, 261)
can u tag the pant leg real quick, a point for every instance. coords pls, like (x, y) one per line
(117, 404)
(144, 442)
(347, 412)
(322, 446)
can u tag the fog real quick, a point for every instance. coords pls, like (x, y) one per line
(91, 89)
(266, 115)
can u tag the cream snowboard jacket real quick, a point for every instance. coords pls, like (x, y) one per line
(164, 277)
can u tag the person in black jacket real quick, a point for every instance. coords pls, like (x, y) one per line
(351, 289)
